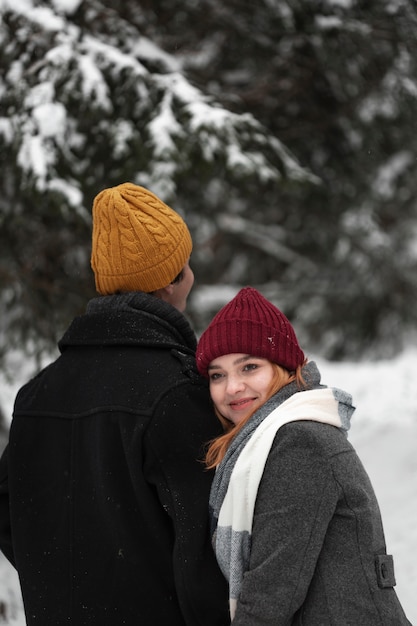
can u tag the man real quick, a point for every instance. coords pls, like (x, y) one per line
(103, 496)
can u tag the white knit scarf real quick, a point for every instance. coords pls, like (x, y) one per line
(235, 486)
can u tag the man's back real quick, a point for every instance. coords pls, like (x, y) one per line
(108, 498)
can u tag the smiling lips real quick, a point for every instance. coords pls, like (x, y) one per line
(244, 403)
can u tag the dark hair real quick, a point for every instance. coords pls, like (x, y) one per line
(178, 278)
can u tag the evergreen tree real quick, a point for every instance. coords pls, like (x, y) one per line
(87, 101)
(337, 83)
(207, 103)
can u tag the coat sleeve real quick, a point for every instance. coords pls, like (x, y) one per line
(183, 423)
(296, 500)
(5, 528)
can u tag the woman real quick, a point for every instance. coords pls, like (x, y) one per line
(296, 525)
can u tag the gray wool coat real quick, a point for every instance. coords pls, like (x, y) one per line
(318, 555)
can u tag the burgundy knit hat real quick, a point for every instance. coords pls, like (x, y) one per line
(250, 324)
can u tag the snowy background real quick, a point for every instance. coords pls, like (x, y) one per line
(384, 431)
(375, 233)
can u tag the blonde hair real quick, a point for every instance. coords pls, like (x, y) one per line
(217, 448)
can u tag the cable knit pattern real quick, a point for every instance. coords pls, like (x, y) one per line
(139, 242)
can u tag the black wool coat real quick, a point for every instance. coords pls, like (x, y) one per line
(103, 496)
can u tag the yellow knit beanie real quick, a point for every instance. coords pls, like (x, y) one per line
(139, 243)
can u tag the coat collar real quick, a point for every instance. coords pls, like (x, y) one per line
(133, 318)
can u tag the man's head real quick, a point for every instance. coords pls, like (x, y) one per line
(139, 243)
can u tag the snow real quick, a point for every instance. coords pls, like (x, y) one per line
(66, 6)
(75, 64)
(385, 181)
(42, 16)
(384, 429)
(384, 432)
(164, 128)
(72, 194)
(50, 118)
(144, 48)
(32, 152)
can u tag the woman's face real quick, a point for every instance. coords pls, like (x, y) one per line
(239, 384)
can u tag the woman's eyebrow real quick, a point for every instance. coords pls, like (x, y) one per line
(242, 359)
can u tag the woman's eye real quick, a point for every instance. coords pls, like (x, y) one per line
(250, 366)
(214, 377)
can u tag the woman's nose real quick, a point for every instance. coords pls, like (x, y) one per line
(234, 384)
